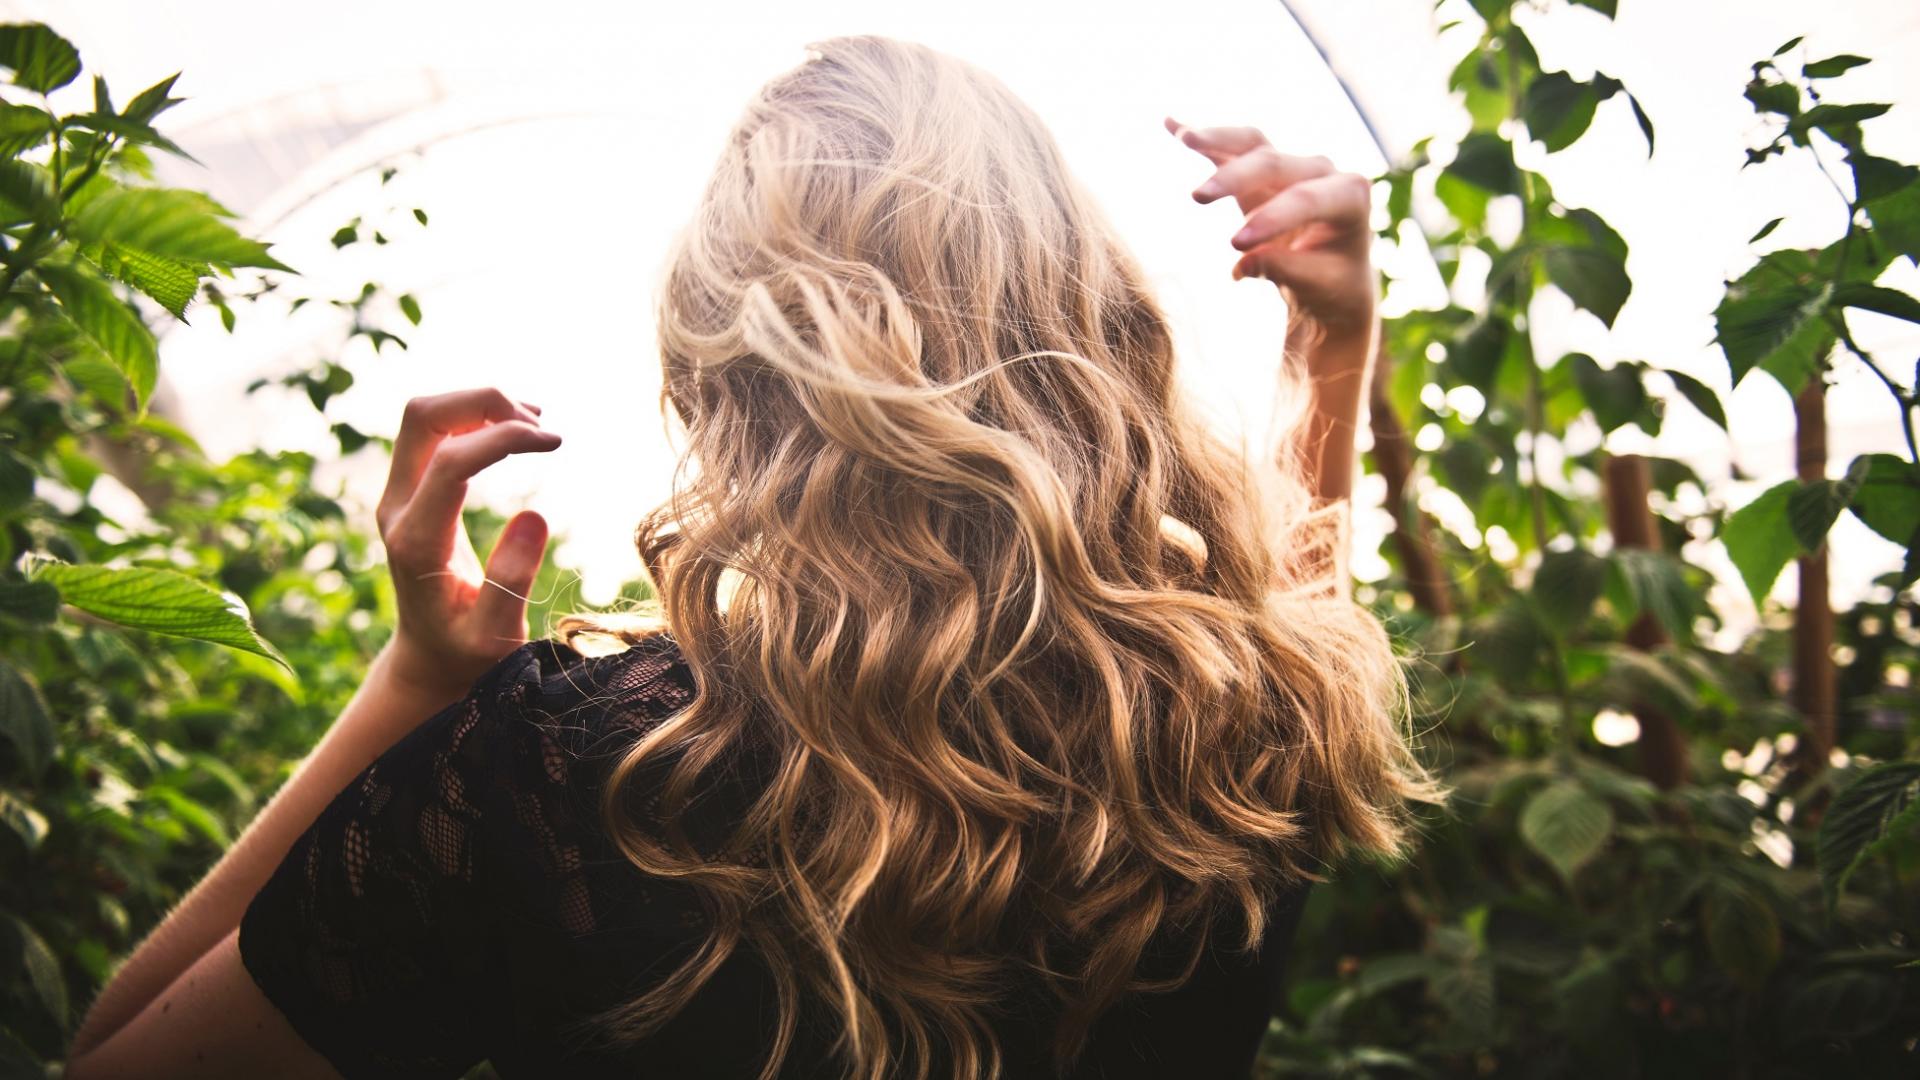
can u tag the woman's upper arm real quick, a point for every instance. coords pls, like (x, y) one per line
(212, 1022)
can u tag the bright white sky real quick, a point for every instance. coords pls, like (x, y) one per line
(570, 139)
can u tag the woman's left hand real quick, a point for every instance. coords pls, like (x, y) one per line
(456, 620)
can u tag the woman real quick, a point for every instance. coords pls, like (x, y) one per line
(996, 724)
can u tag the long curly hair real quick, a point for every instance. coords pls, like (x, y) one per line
(1035, 670)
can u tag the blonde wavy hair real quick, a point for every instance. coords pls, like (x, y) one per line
(1035, 672)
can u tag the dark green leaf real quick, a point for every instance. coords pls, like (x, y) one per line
(1813, 508)
(346, 234)
(420, 215)
(1767, 96)
(109, 322)
(42, 968)
(1765, 231)
(1593, 278)
(1700, 396)
(174, 224)
(23, 821)
(23, 719)
(1832, 66)
(22, 127)
(410, 308)
(1485, 160)
(1841, 123)
(1888, 498)
(16, 481)
(1605, 7)
(1743, 932)
(1651, 582)
(1858, 817)
(1558, 109)
(1646, 122)
(1566, 585)
(1878, 298)
(29, 601)
(1566, 825)
(39, 58)
(1760, 539)
(1791, 42)
(1616, 394)
(1771, 319)
(1896, 220)
(1477, 354)
(26, 192)
(159, 601)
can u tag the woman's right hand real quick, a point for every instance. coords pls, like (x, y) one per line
(456, 619)
(1306, 228)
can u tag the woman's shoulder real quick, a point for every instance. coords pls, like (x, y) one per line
(587, 702)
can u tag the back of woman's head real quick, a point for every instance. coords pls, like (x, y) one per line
(1031, 677)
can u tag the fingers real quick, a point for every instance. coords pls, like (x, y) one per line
(428, 420)
(1219, 144)
(511, 568)
(425, 521)
(1260, 174)
(1340, 201)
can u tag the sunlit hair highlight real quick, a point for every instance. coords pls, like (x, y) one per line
(1033, 671)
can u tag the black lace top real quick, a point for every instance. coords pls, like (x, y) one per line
(459, 902)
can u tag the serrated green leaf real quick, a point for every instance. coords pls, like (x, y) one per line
(1593, 278)
(39, 58)
(26, 193)
(1813, 508)
(1700, 396)
(1760, 539)
(1888, 497)
(1566, 585)
(159, 601)
(1567, 825)
(1860, 816)
(105, 318)
(170, 223)
(132, 131)
(152, 101)
(24, 720)
(1771, 319)
(42, 969)
(169, 282)
(23, 127)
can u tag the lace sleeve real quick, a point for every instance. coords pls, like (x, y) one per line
(373, 935)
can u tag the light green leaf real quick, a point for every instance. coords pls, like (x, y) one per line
(24, 720)
(152, 101)
(40, 59)
(26, 192)
(160, 601)
(105, 318)
(410, 307)
(22, 127)
(1862, 814)
(1760, 540)
(171, 223)
(1567, 825)
(169, 282)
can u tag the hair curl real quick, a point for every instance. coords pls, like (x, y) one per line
(1035, 671)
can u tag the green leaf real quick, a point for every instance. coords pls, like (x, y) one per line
(1771, 319)
(1813, 508)
(1767, 96)
(420, 215)
(1841, 123)
(23, 127)
(170, 223)
(1743, 932)
(169, 282)
(1832, 66)
(39, 58)
(112, 325)
(1477, 355)
(29, 601)
(1651, 582)
(1861, 815)
(410, 308)
(133, 131)
(26, 193)
(24, 720)
(1888, 497)
(1878, 298)
(1609, 8)
(1646, 122)
(1896, 220)
(1566, 585)
(1765, 230)
(1593, 278)
(152, 101)
(1616, 394)
(159, 601)
(1566, 825)
(1558, 109)
(16, 481)
(1791, 42)
(1760, 539)
(1485, 160)
(18, 815)
(41, 966)
(1701, 397)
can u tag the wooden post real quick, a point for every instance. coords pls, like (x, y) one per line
(1412, 532)
(1815, 680)
(1628, 481)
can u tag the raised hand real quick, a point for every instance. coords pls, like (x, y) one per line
(1306, 225)
(456, 620)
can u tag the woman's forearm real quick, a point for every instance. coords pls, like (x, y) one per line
(1337, 366)
(387, 705)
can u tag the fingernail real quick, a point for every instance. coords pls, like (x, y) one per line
(1244, 237)
(1209, 190)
